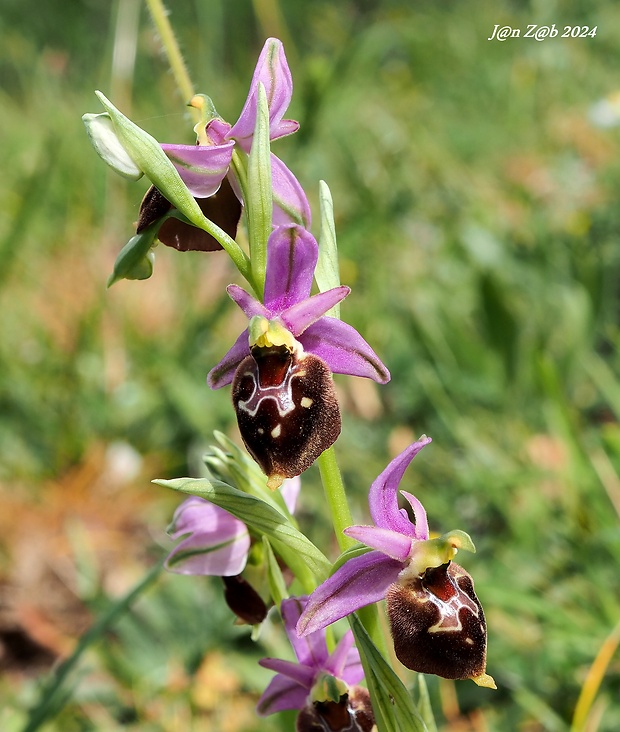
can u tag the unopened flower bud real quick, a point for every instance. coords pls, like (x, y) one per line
(438, 624)
(287, 409)
(244, 601)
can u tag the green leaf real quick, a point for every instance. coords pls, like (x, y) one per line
(327, 273)
(259, 203)
(300, 554)
(391, 702)
(424, 704)
(135, 260)
(235, 467)
(277, 585)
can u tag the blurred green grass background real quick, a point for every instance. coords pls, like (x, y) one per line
(478, 222)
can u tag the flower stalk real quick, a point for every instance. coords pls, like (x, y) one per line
(336, 497)
(159, 16)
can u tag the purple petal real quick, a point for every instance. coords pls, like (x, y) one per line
(290, 205)
(302, 675)
(290, 492)
(361, 581)
(292, 253)
(285, 127)
(234, 184)
(344, 663)
(303, 314)
(343, 349)
(281, 694)
(383, 495)
(353, 671)
(419, 514)
(193, 556)
(224, 372)
(195, 515)
(217, 131)
(393, 544)
(218, 543)
(201, 167)
(273, 71)
(311, 650)
(246, 302)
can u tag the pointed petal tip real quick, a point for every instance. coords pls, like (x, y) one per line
(485, 680)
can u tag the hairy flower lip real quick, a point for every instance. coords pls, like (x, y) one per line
(438, 624)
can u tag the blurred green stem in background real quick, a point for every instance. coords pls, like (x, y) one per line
(52, 698)
(173, 53)
(582, 718)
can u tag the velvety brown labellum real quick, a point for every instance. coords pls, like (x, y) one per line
(287, 409)
(223, 208)
(437, 623)
(243, 600)
(353, 713)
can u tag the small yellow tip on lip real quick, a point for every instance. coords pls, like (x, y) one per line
(275, 481)
(485, 680)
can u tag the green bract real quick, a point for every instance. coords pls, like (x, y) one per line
(259, 199)
(301, 555)
(104, 139)
(327, 273)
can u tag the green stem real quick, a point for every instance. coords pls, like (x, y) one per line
(50, 700)
(340, 513)
(369, 616)
(336, 497)
(171, 48)
(239, 257)
(239, 164)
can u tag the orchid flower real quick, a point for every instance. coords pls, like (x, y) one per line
(209, 169)
(437, 622)
(319, 684)
(205, 166)
(281, 363)
(290, 314)
(217, 544)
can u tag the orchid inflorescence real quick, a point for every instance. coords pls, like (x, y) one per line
(236, 524)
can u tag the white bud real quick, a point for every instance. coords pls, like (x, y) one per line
(104, 139)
